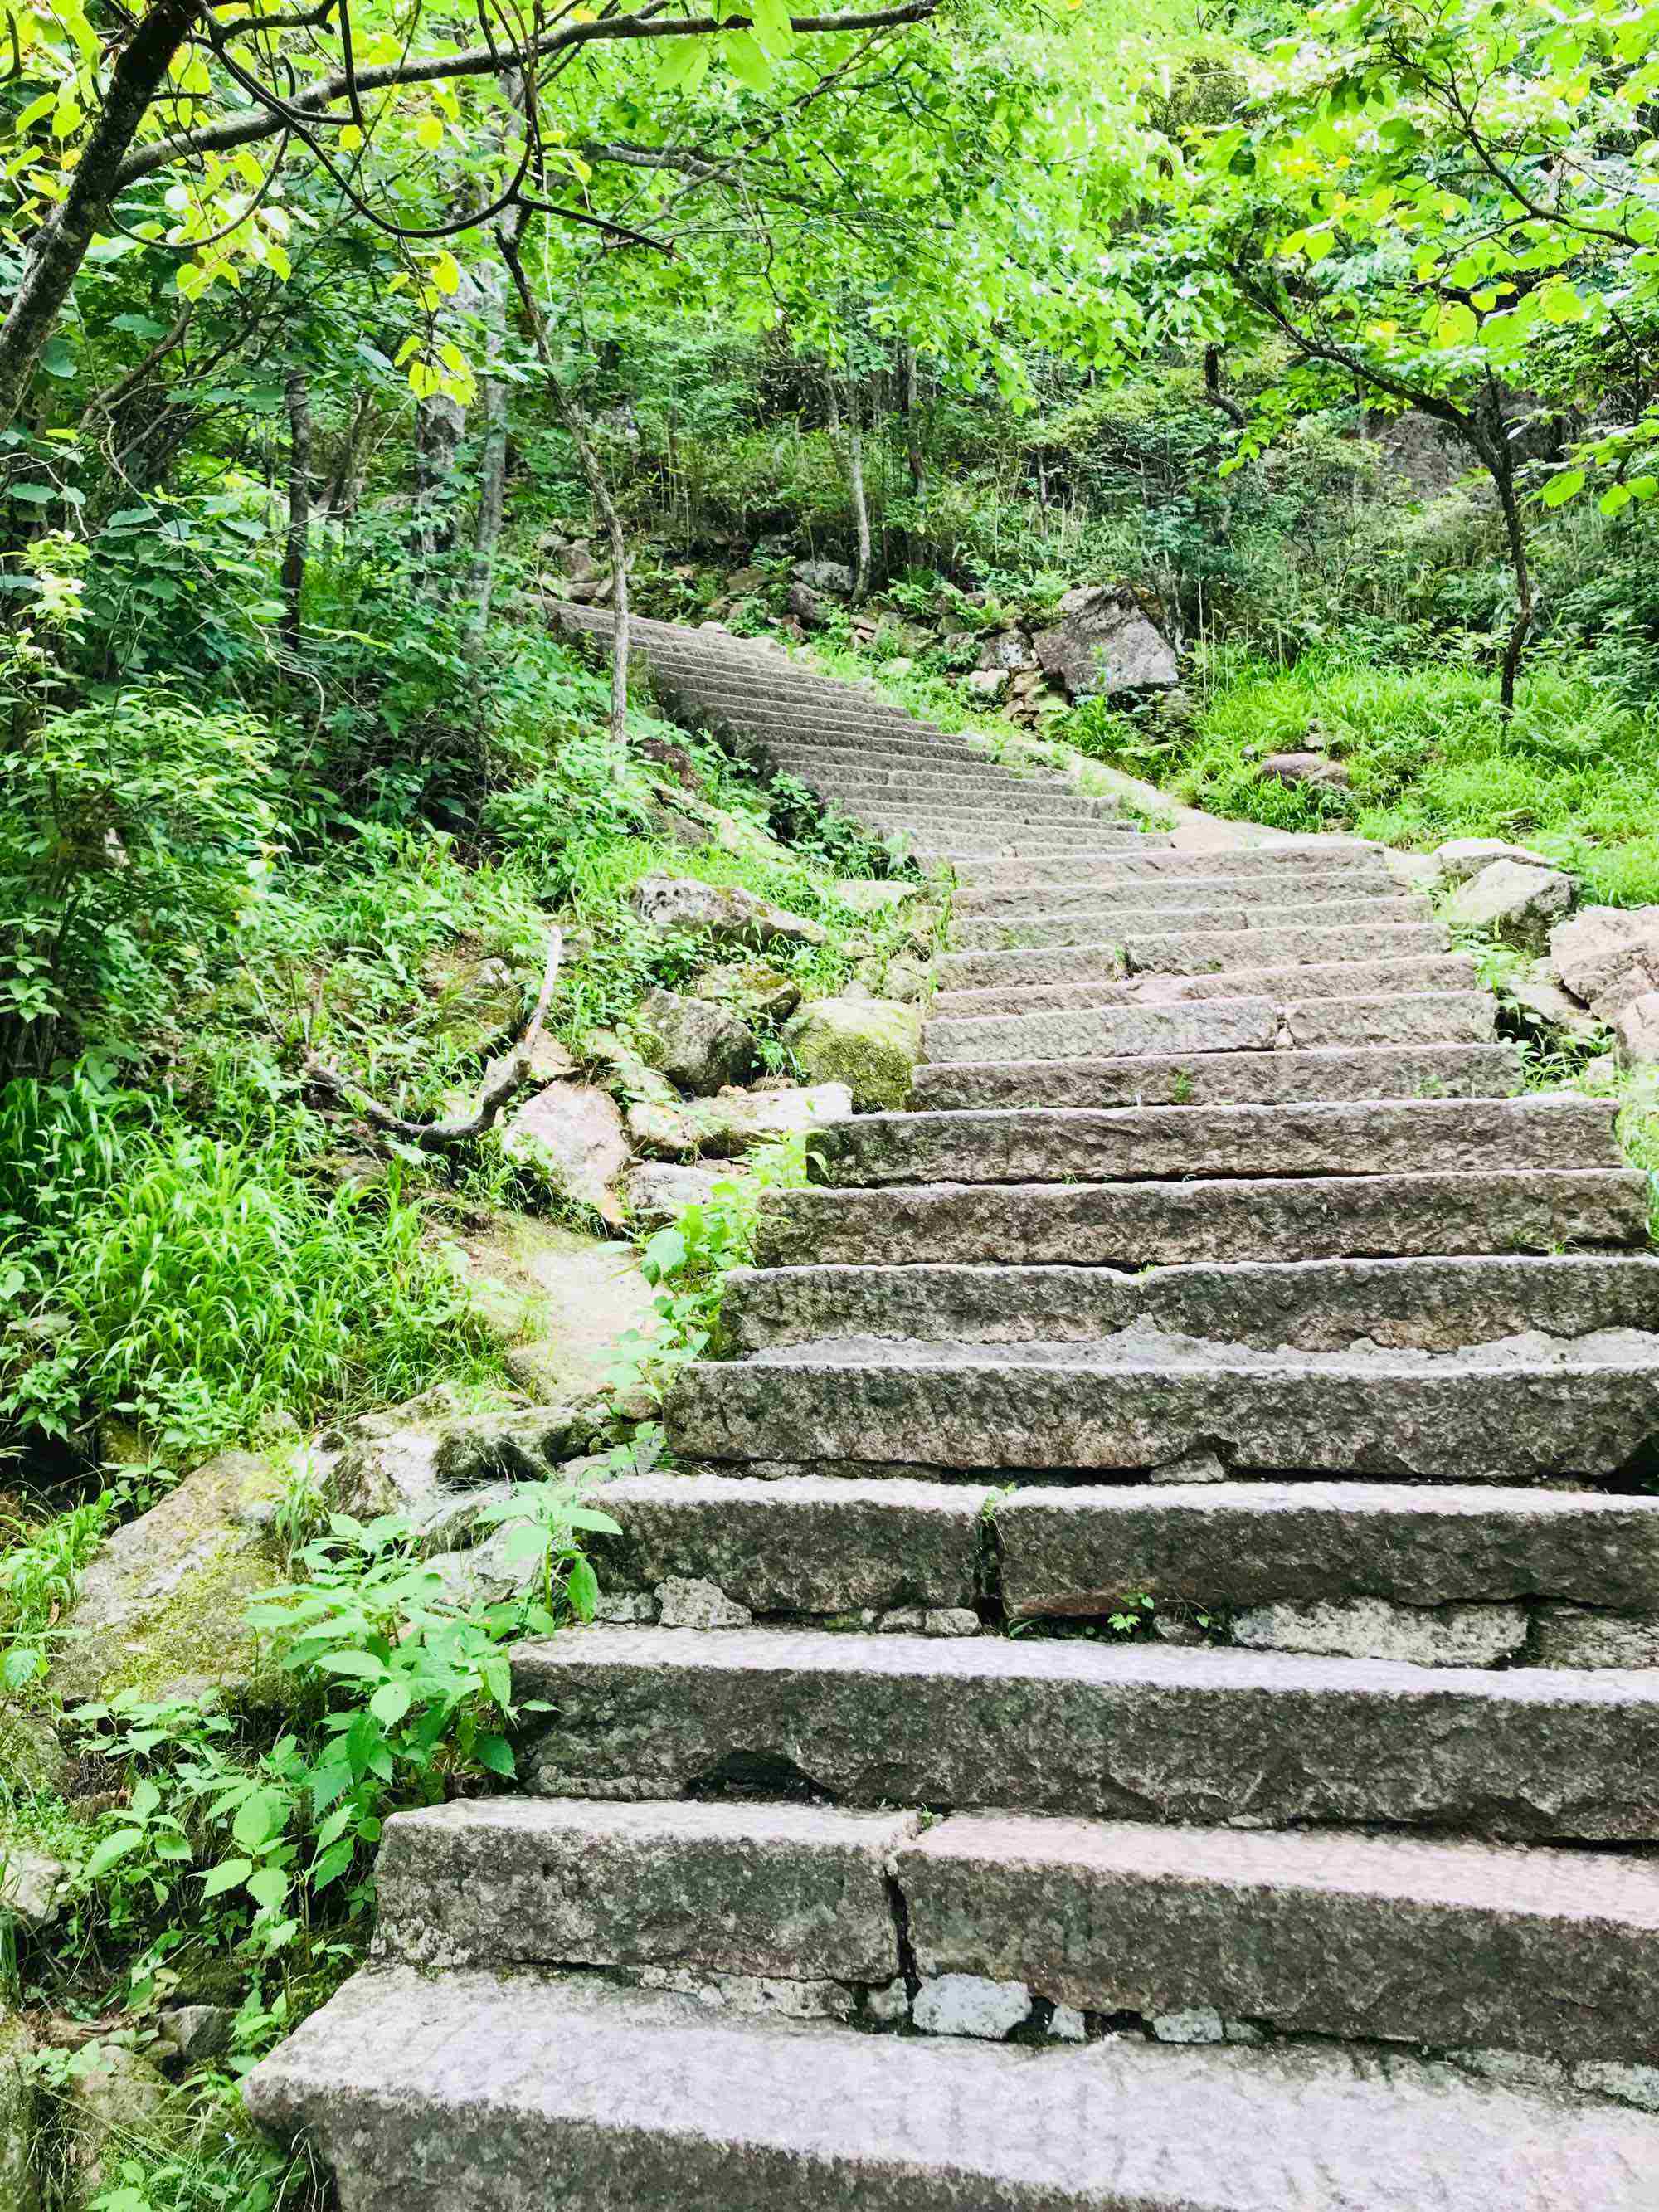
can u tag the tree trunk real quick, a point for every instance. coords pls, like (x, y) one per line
(439, 423)
(909, 409)
(570, 415)
(341, 501)
(855, 488)
(1504, 478)
(297, 395)
(492, 462)
(60, 247)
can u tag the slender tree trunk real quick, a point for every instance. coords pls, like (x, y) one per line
(60, 247)
(341, 499)
(492, 462)
(910, 413)
(297, 395)
(855, 487)
(570, 415)
(1212, 390)
(1503, 477)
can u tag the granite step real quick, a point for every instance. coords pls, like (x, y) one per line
(1083, 1550)
(1154, 1143)
(454, 2092)
(1301, 885)
(1325, 978)
(1515, 1410)
(1283, 866)
(1186, 952)
(1221, 1078)
(1243, 1024)
(1140, 1224)
(1114, 920)
(1127, 1732)
(1429, 1304)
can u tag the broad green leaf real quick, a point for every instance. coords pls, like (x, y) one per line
(1560, 489)
(747, 61)
(226, 1876)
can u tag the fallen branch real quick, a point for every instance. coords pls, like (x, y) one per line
(510, 1077)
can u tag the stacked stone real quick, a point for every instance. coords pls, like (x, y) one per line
(1221, 1280)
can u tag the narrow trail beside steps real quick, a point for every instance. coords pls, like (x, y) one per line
(1221, 1258)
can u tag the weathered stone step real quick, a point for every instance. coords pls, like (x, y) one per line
(1114, 920)
(1009, 817)
(971, 789)
(1133, 1732)
(455, 2093)
(1511, 1410)
(1446, 1943)
(1326, 979)
(1332, 1933)
(902, 784)
(1302, 885)
(1185, 952)
(1306, 1305)
(794, 1891)
(1204, 1078)
(1220, 1025)
(1352, 871)
(1137, 1225)
(795, 1545)
(1084, 1549)
(1370, 1136)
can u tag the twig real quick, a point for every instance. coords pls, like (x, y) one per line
(510, 1076)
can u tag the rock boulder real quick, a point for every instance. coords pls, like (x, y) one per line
(871, 1045)
(658, 1195)
(734, 1122)
(1314, 771)
(1513, 902)
(697, 1045)
(1635, 1029)
(573, 1134)
(1104, 644)
(1460, 858)
(724, 911)
(1608, 956)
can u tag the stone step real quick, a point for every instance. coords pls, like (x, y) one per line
(969, 793)
(1353, 871)
(904, 785)
(1129, 1732)
(1328, 1933)
(1451, 1944)
(1046, 1145)
(1324, 979)
(1140, 1224)
(1083, 1550)
(798, 1891)
(1006, 817)
(1114, 920)
(1221, 1024)
(1306, 1305)
(966, 848)
(1584, 1407)
(1302, 885)
(458, 2093)
(797, 1545)
(1202, 1078)
(1186, 952)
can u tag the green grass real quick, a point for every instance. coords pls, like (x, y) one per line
(1572, 772)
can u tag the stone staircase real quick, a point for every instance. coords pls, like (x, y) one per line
(1222, 1263)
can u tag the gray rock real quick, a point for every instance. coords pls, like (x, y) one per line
(684, 1603)
(1636, 1031)
(735, 1121)
(1573, 1636)
(1608, 956)
(19, 2117)
(458, 2089)
(1516, 2069)
(729, 1885)
(1082, 1549)
(161, 1605)
(1460, 858)
(396, 1462)
(889, 2004)
(1105, 646)
(657, 1194)
(31, 1757)
(1376, 1628)
(198, 2032)
(950, 1620)
(832, 576)
(808, 607)
(31, 1882)
(1129, 1732)
(1068, 2025)
(573, 1135)
(872, 894)
(1513, 902)
(1547, 1953)
(1314, 770)
(725, 913)
(988, 684)
(902, 1621)
(1197, 2024)
(968, 2004)
(111, 2096)
(700, 1046)
(1008, 649)
(1545, 1005)
(752, 989)
(871, 1045)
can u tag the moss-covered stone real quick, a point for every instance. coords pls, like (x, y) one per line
(19, 2185)
(32, 1760)
(559, 1303)
(161, 1605)
(872, 1045)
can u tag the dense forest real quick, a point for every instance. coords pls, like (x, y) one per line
(344, 347)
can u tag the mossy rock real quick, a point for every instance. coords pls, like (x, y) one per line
(162, 1607)
(872, 1045)
(19, 2117)
(32, 1760)
(559, 1303)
